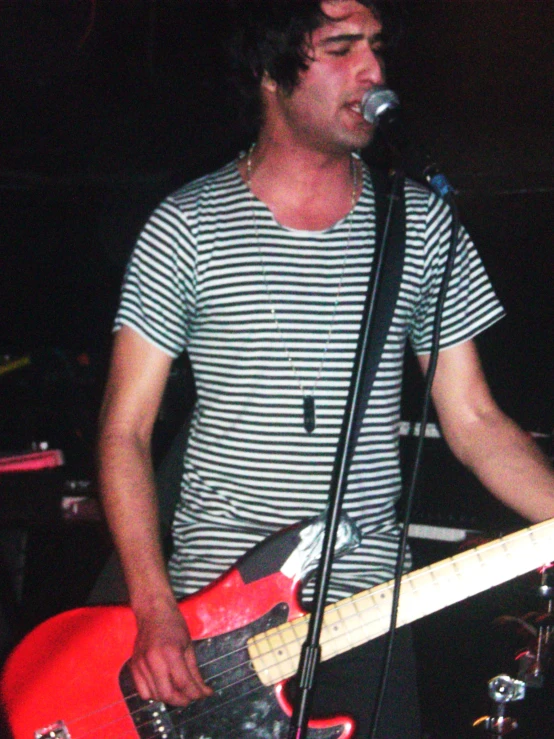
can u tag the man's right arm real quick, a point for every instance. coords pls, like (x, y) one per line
(163, 664)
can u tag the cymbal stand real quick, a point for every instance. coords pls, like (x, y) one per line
(533, 663)
(502, 690)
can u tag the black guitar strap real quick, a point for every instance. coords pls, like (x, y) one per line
(387, 296)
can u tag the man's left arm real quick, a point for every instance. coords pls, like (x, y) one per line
(505, 458)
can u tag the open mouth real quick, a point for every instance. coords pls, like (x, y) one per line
(356, 107)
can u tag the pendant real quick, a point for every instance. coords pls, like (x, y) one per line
(309, 413)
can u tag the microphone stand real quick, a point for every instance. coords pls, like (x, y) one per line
(311, 650)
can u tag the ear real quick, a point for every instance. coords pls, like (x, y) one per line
(268, 83)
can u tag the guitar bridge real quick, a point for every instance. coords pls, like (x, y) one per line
(54, 731)
(151, 718)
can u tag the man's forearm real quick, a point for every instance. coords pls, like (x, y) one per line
(509, 463)
(504, 458)
(130, 504)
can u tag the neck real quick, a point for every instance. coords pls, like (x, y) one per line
(304, 189)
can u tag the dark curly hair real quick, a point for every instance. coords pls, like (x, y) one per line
(269, 36)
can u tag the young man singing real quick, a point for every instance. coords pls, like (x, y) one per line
(260, 271)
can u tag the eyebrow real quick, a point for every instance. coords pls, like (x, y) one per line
(342, 38)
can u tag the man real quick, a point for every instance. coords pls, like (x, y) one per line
(260, 270)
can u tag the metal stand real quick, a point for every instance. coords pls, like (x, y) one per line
(502, 690)
(310, 655)
(533, 663)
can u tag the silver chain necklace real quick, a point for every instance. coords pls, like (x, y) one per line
(308, 397)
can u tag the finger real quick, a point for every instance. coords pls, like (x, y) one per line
(144, 684)
(194, 672)
(155, 677)
(171, 678)
(185, 685)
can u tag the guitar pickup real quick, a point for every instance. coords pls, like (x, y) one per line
(54, 731)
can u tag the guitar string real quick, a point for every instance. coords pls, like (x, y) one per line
(448, 563)
(188, 720)
(196, 717)
(374, 605)
(173, 710)
(176, 709)
(178, 726)
(433, 569)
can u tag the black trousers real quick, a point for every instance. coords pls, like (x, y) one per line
(348, 684)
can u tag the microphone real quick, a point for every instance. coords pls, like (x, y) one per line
(381, 107)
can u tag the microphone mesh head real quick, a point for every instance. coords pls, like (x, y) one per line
(376, 101)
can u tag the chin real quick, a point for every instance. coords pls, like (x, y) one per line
(359, 138)
(365, 138)
(358, 142)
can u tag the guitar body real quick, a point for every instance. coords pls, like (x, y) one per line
(69, 678)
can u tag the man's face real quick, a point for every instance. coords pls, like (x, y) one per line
(323, 111)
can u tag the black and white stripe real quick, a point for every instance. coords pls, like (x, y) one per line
(196, 280)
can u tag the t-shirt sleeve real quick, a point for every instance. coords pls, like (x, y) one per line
(157, 296)
(471, 303)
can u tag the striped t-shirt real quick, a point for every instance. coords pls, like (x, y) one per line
(211, 272)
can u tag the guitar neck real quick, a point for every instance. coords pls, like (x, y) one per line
(365, 616)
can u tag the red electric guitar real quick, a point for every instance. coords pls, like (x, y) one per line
(69, 678)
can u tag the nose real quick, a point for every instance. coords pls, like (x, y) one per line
(372, 66)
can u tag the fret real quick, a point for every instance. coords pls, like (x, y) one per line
(379, 600)
(460, 576)
(366, 617)
(336, 633)
(275, 653)
(338, 639)
(298, 631)
(525, 547)
(542, 544)
(470, 569)
(414, 598)
(429, 585)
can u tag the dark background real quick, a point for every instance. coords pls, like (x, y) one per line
(109, 105)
